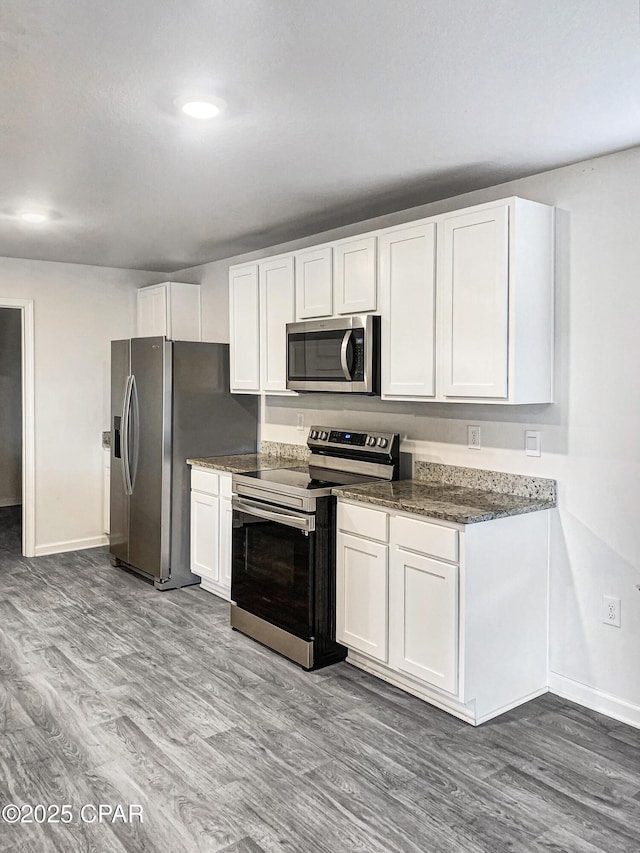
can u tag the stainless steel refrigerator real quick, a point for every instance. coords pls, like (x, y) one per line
(170, 400)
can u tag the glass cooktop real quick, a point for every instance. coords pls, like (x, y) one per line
(304, 478)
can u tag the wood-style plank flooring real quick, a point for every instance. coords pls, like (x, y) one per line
(112, 692)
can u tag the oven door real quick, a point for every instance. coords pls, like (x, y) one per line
(273, 554)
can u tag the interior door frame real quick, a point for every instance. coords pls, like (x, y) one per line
(25, 306)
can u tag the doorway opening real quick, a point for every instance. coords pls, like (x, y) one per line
(17, 501)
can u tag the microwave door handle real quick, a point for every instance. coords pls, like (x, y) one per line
(259, 510)
(343, 355)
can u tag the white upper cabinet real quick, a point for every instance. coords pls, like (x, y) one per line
(244, 322)
(276, 310)
(466, 305)
(495, 285)
(314, 283)
(355, 275)
(261, 303)
(475, 302)
(171, 310)
(337, 279)
(407, 305)
(152, 312)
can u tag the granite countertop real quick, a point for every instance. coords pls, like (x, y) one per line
(444, 501)
(245, 462)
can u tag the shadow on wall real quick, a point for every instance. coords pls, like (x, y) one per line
(584, 568)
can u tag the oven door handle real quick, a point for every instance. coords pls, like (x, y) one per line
(301, 522)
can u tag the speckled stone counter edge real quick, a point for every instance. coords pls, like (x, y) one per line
(274, 455)
(519, 485)
(106, 440)
(455, 508)
(291, 451)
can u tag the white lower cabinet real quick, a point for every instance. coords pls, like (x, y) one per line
(205, 511)
(454, 614)
(211, 530)
(361, 618)
(423, 618)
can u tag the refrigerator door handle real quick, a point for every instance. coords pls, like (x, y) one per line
(126, 412)
(135, 432)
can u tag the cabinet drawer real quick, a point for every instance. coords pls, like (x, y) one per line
(204, 481)
(426, 538)
(362, 521)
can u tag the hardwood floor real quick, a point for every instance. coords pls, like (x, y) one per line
(112, 692)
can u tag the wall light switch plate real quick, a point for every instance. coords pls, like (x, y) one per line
(473, 436)
(533, 442)
(300, 421)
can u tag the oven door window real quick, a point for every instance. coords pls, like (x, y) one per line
(317, 356)
(272, 572)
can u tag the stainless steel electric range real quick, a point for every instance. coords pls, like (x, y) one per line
(284, 543)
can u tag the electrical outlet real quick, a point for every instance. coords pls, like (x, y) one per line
(611, 610)
(300, 421)
(473, 436)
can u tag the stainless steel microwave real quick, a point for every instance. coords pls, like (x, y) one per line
(340, 354)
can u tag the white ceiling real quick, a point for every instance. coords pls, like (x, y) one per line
(337, 110)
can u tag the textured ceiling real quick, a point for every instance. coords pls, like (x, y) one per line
(338, 110)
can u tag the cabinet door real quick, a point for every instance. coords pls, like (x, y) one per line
(474, 286)
(152, 312)
(423, 618)
(205, 557)
(314, 284)
(244, 329)
(361, 595)
(226, 530)
(184, 322)
(407, 296)
(355, 276)
(276, 310)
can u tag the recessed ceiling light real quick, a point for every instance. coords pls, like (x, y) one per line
(32, 216)
(201, 109)
(201, 106)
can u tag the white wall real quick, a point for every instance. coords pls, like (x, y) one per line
(590, 434)
(10, 407)
(78, 310)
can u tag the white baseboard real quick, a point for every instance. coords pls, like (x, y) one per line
(596, 700)
(72, 545)
(10, 502)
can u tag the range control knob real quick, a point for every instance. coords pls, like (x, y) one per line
(382, 442)
(324, 435)
(314, 433)
(371, 440)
